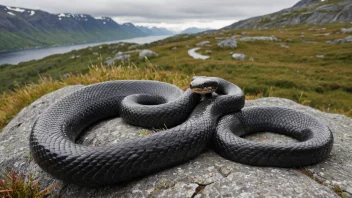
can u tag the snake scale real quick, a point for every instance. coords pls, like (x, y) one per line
(195, 119)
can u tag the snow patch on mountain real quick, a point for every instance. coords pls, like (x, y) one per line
(15, 9)
(10, 13)
(31, 13)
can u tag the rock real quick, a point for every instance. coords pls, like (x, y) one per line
(289, 40)
(284, 46)
(174, 48)
(341, 41)
(208, 175)
(251, 59)
(203, 43)
(320, 56)
(147, 53)
(244, 33)
(95, 54)
(231, 43)
(132, 47)
(346, 30)
(238, 56)
(208, 51)
(259, 38)
(119, 53)
(112, 61)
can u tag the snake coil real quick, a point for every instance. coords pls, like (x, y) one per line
(194, 122)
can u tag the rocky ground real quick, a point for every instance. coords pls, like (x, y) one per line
(209, 175)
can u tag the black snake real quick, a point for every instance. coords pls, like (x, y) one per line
(194, 122)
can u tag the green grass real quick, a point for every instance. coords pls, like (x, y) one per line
(295, 73)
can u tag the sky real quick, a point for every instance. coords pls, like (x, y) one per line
(175, 15)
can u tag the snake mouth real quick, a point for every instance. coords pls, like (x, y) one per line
(203, 85)
(204, 90)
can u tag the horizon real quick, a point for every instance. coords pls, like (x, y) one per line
(177, 16)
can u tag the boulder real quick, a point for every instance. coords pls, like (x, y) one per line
(341, 41)
(95, 54)
(320, 56)
(230, 43)
(119, 53)
(203, 43)
(346, 30)
(208, 175)
(259, 38)
(208, 51)
(111, 61)
(238, 56)
(147, 53)
(284, 46)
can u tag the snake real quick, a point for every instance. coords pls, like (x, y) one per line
(210, 114)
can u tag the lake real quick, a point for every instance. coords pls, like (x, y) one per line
(15, 57)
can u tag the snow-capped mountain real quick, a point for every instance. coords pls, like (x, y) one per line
(25, 28)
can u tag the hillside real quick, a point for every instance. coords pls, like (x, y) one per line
(301, 63)
(315, 12)
(194, 30)
(26, 28)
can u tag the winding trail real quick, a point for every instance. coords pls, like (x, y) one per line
(192, 52)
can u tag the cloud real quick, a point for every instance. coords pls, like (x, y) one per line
(160, 11)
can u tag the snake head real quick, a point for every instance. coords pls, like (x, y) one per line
(203, 84)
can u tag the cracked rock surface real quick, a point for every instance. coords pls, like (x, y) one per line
(208, 175)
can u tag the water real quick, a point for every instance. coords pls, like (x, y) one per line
(194, 54)
(15, 57)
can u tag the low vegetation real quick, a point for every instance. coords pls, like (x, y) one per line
(13, 185)
(295, 73)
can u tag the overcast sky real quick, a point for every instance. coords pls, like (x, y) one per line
(172, 14)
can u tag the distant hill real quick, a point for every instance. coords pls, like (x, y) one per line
(304, 12)
(194, 30)
(155, 31)
(26, 28)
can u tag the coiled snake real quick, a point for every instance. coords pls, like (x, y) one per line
(194, 121)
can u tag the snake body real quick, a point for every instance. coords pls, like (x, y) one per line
(191, 120)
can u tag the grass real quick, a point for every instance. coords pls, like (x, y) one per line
(14, 185)
(12, 102)
(294, 73)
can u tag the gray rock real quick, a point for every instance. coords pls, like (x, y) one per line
(320, 56)
(208, 175)
(118, 58)
(289, 40)
(132, 47)
(174, 48)
(203, 43)
(346, 30)
(95, 53)
(147, 53)
(341, 41)
(231, 43)
(238, 56)
(259, 38)
(119, 53)
(284, 46)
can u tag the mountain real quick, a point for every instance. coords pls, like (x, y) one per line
(305, 11)
(194, 30)
(27, 28)
(155, 31)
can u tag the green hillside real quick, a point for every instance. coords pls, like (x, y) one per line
(269, 69)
